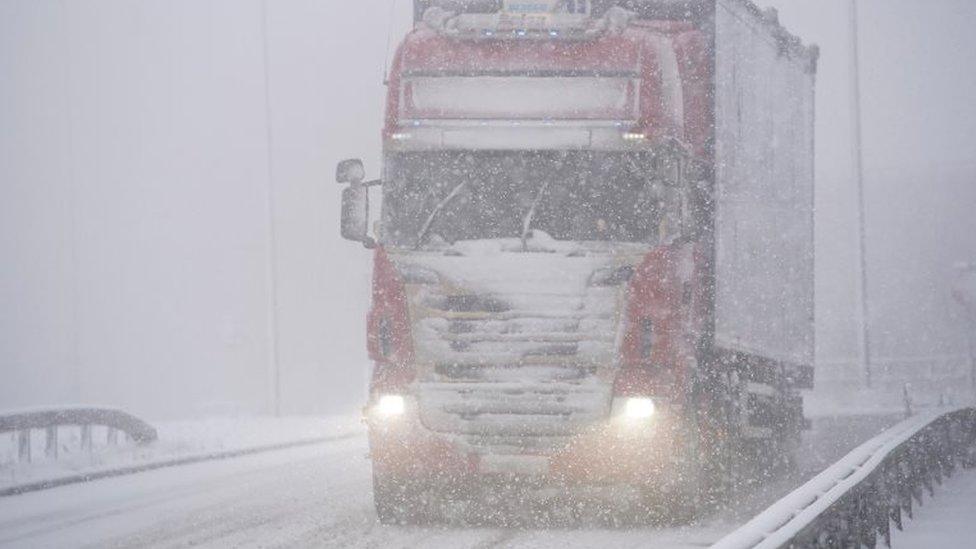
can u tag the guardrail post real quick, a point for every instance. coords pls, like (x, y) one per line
(24, 446)
(86, 438)
(51, 442)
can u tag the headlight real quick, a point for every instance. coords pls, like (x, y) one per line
(639, 408)
(390, 406)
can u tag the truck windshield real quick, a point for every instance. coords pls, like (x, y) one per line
(446, 196)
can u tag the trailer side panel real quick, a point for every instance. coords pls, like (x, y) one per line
(764, 185)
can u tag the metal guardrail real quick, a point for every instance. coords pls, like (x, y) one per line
(854, 503)
(50, 420)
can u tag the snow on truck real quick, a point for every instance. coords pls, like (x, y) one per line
(594, 263)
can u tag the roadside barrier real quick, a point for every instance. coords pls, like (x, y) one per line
(855, 501)
(51, 420)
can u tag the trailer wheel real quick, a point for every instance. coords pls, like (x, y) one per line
(398, 501)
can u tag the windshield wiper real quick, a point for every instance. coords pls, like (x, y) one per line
(527, 221)
(437, 209)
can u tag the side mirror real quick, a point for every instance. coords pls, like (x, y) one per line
(355, 215)
(350, 172)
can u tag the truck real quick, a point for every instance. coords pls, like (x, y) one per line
(593, 266)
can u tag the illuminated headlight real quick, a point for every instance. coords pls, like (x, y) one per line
(630, 136)
(639, 408)
(390, 406)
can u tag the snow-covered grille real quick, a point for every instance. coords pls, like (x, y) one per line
(543, 329)
(512, 417)
(518, 381)
(518, 348)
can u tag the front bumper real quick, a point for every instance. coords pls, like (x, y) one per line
(652, 454)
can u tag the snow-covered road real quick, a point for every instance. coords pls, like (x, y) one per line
(319, 496)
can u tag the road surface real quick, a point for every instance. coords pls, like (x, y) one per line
(319, 496)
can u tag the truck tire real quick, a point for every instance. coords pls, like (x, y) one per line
(397, 501)
(683, 502)
(676, 507)
(721, 472)
(690, 500)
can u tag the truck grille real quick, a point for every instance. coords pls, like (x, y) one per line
(516, 373)
(519, 329)
(534, 417)
(517, 349)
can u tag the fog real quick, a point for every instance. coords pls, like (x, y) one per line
(169, 220)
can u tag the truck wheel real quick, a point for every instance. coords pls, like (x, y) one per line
(681, 503)
(692, 496)
(689, 504)
(689, 500)
(718, 475)
(397, 501)
(677, 507)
